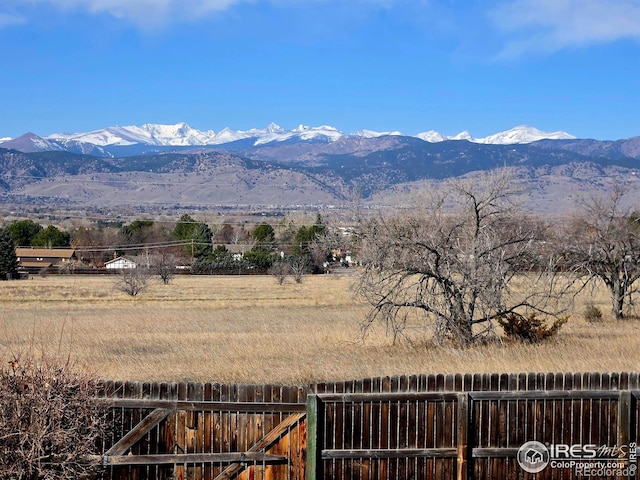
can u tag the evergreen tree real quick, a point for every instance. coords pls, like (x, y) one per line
(23, 231)
(51, 237)
(264, 233)
(8, 258)
(196, 235)
(306, 235)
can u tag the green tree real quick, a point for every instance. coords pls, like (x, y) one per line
(306, 235)
(220, 253)
(196, 236)
(260, 257)
(23, 231)
(51, 237)
(137, 229)
(8, 258)
(264, 233)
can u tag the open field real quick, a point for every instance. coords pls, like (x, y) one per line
(252, 330)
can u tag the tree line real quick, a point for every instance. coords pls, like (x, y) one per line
(188, 241)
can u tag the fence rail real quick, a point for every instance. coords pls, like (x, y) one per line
(421, 426)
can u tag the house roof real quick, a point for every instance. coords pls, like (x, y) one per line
(119, 259)
(35, 263)
(62, 253)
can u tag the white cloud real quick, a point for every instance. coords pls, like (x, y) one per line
(147, 13)
(552, 25)
(7, 19)
(144, 13)
(153, 14)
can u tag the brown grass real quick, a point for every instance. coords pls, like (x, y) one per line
(252, 330)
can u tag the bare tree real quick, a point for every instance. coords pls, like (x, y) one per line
(603, 242)
(457, 263)
(280, 270)
(298, 266)
(132, 281)
(164, 265)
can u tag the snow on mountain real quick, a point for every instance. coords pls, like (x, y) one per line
(517, 135)
(106, 136)
(432, 136)
(374, 134)
(30, 142)
(303, 132)
(462, 136)
(181, 134)
(523, 134)
(4, 139)
(226, 135)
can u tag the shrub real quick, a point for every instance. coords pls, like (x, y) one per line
(529, 329)
(132, 281)
(280, 270)
(592, 313)
(50, 423)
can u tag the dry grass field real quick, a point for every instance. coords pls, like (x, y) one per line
(252, 330)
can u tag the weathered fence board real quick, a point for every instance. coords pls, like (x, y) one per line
(405, 427)
(205, 431)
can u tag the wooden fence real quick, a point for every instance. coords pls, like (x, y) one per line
(406, 427)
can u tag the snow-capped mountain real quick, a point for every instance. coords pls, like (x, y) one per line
(179, 134)
(432, 136)
(374, 134)
(523, 134)
(183, 135)
(518, 135)
(30, 142)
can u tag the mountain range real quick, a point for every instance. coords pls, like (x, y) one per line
(175, 166)
(155, 138)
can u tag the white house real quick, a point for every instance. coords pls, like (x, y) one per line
(120, 263)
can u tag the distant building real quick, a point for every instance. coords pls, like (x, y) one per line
(130, 261)
(120, 263)
(35, 260)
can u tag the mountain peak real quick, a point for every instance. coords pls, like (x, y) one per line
(274, 128)
(524, 134)
(30, 142)
(464, 135)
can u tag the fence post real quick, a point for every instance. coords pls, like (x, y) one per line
(627, 407)
(624, 417)
(464, 425)
(315, 432)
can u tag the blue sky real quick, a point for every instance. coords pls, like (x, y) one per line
(411, 65)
